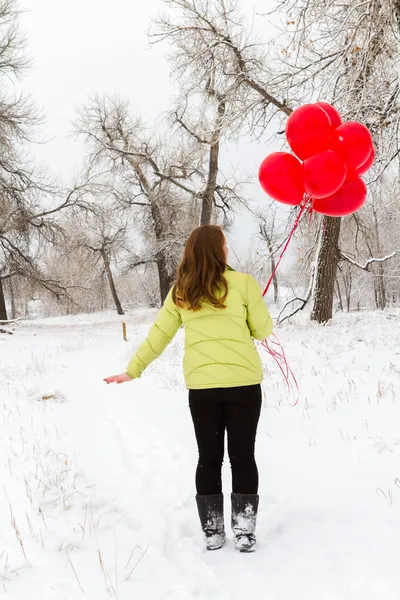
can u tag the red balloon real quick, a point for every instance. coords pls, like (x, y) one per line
(353, 142)
(324, 174)
(281, 177)
(333, 114)
(309, 131)
(346, 201)
(368, 164)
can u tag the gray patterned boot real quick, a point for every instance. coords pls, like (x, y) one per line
(211, 513)
(244, 521)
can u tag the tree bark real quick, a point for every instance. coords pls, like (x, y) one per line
(380, 288)
(275, 281)
(111, 282)
(379, 278)
(327, 264)
(347, 286)
(3, 310)
(163, 276)
(166, 279)
(12, 299)
(339, 292)
(209, 193)
(273, 270)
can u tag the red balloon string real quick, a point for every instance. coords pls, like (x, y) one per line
(274, 347)
(311, 213)
(278, 354)
(303, 206)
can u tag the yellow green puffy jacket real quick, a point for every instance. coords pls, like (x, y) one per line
(219, 348)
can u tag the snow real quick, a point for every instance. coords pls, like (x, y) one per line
(97, 494)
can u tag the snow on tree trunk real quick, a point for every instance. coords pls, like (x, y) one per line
(213, 168)
(273, 269)
(12, 298)
(3, 310)
(380, 288)
(111, 283)
(165, 277)
(327, 264)
(339, 293)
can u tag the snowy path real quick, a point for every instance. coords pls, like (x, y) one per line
(100, 483)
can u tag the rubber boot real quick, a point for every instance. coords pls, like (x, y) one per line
(211, 513)
(244, 521)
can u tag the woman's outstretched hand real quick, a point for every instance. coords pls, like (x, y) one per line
(121, 378)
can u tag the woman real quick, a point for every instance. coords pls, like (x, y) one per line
(221, 311)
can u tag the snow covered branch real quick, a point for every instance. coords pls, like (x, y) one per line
(303, 301)
(369, 262)
(12, 321)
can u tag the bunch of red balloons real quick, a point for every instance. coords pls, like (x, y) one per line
(331, 157)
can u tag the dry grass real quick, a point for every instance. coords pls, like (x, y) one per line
(15, 526)
(74, 570)
(137, 563)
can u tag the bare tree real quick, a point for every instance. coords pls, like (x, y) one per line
(212, 41)
(345, 281)
(219, 72)
(16, 119)
(29, 224)
(105, 232)
(370, 239)
(274, 235)
(343, 52)
(29, 201)
(155, 181)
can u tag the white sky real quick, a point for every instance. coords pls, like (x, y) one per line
(82, 47)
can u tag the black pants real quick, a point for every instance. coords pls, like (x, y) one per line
(236, 410)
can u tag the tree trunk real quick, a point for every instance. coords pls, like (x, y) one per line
(327, 264)
(209, 193)
(275, 281)
(3, 310)
(380, 288)
(166, 279)
(347, 286)
(111, 282)
(163, 276)
(379, 277)
(273, 270)
(12, 299)
(339, 292)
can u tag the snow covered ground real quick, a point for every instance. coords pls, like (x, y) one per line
(97, 494)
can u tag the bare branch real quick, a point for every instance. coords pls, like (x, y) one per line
(303, 301)
(369, 262)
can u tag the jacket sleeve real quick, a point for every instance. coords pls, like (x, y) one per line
(160, 335)
(259, 320)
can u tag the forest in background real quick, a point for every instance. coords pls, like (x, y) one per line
(113, 237)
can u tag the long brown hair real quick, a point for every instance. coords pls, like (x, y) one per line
(201, 272)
